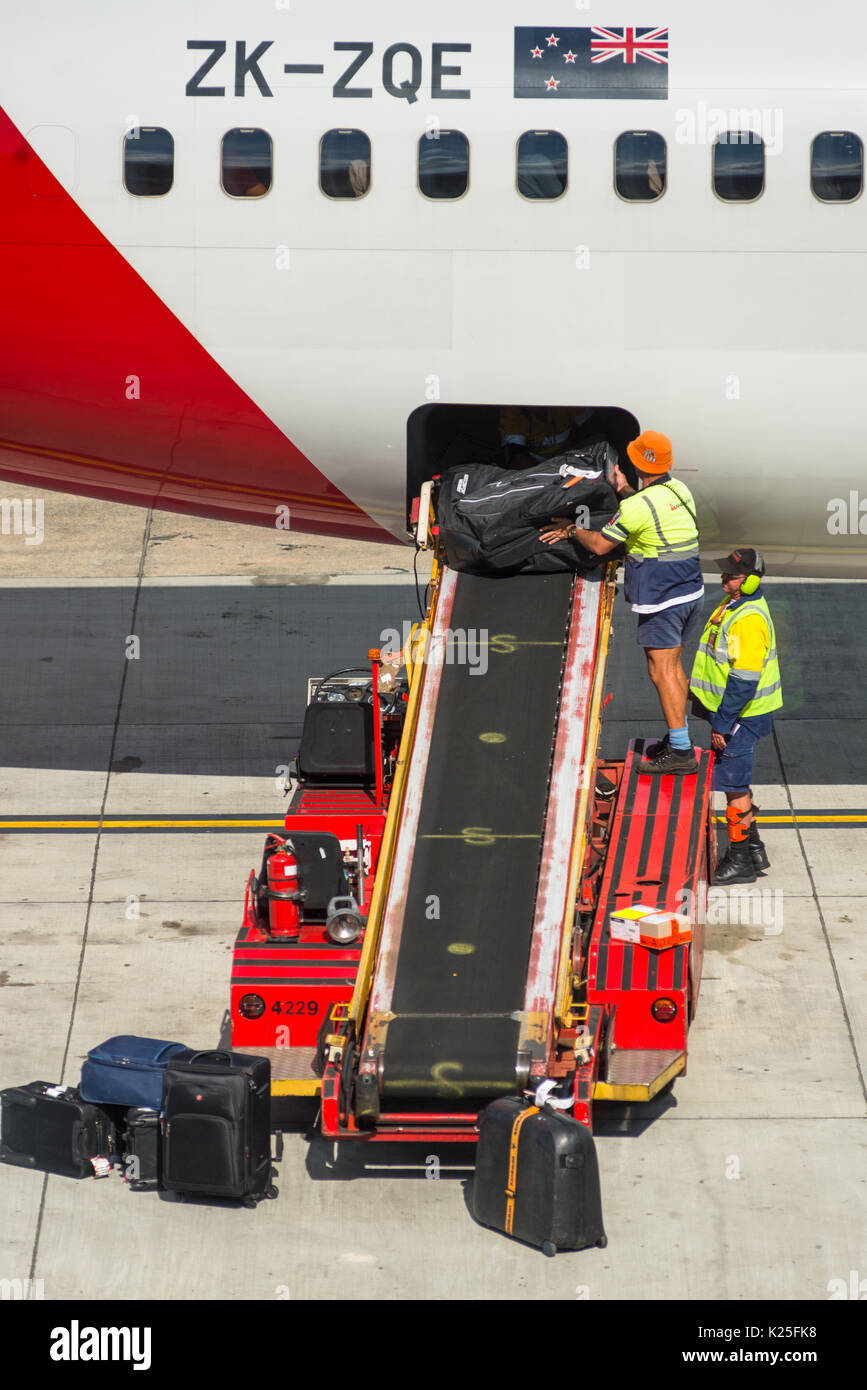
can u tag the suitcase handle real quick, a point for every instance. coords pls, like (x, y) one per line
(213, 1056)
(26, 1098)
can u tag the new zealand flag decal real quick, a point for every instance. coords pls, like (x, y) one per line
(621, 63)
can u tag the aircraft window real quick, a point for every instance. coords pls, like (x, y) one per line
(837, 166)
(246, 157)
(443, 164)
(640, 165)
(739, 166)
(344, 164)
(148, 161)
(542, 164)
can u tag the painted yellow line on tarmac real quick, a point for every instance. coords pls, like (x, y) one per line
(798, 819)
(471, 835)
(110, 823)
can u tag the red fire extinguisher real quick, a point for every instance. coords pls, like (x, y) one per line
(284, 893)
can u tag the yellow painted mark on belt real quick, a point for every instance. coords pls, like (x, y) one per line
(439, 1075)
(506, 642)
(461, 948)
(511, 1185)
(492, 738)
(479, 835)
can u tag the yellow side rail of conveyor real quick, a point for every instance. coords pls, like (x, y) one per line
(416, 667)
(579, 845)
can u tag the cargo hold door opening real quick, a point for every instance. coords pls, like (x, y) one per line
(442, 436)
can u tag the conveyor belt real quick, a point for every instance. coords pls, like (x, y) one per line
(453, 986)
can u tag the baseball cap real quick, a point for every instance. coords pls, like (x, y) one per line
(744, 561)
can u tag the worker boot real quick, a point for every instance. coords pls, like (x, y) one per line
(736, 866)
(757, 846)
(758, 852)
(670, 760)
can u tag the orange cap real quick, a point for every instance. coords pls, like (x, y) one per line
(650, 452)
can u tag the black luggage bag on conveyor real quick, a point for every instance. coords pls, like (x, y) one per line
(52, 1129)
(489, 517)
(537, 1177)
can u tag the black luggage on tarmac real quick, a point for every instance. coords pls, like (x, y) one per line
(537, 1178)
(490, 517)
(141, 1148)
(52, 1129)
(217, 1126)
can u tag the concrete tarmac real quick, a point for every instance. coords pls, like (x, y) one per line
(747, 1180)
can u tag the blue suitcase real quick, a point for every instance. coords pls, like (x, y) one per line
(127, 1071)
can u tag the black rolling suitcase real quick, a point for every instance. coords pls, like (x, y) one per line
(537, 1177)
(141, 1147)
(52, 1129)
(217, 1126)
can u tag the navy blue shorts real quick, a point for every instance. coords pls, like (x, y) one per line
(733, 769)
(670, 627)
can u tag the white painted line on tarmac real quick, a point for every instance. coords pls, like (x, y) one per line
(369, 579)
(208, 581)
(372, 579)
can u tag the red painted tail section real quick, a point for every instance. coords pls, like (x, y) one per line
(104, 392)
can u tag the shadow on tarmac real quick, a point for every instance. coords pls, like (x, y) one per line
(220, 680)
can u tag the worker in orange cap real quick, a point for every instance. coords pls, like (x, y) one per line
(663, 581)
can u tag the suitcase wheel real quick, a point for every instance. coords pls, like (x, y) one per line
(249, 1202)
(272, 1192)
(549, 1248)
(602, 1242)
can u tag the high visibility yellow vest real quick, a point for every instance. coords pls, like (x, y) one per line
(660, 522)
(712, 664)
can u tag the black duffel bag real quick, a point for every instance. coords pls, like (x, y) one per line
(490, 517)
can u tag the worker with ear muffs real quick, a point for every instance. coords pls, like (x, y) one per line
(735, 684)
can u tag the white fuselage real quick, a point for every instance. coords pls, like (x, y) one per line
(738, 329)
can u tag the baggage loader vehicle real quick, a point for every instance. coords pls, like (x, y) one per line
(467, 900)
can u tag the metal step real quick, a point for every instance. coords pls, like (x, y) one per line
(292, 1071)
(638, 1074)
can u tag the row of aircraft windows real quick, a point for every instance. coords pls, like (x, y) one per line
(542, 164)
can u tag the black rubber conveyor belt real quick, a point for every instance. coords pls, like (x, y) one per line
(465, 944)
